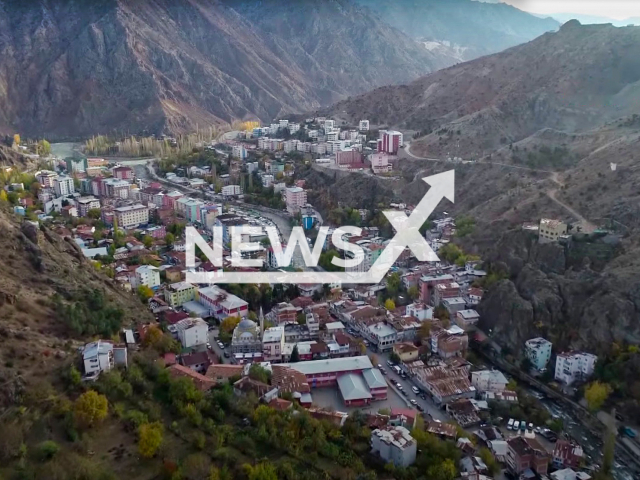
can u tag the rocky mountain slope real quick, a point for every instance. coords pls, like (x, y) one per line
(572, 80)
(71, 69)
(36, 264)
(475, 28)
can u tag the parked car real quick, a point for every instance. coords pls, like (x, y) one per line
(382, 371)
(404, 392)
(379, 366)
(390, 363)
(415, 390)
(413, 402)
(399, 386)
(420, 408)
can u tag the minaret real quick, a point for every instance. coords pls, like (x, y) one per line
(261, 319)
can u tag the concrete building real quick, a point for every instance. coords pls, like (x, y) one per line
(346, 158)
(191, 332)
(46, 178)
(148, 275)
(84, 204)
(179, 293)
(102, 356)
(363, 125)
(382, 336)
(231, 190)
(295, 198)
(466, 319)
(526, 453)
(123, 173)
(222, 304)
(538, 351)
(353, 390)
(131, 216)
(390, 141)
(394, 445)
(407, 352)
(489, 381)
(551, 230)
(322, 373)
(238, 151)
(273, 344)
(380, 163)
(63, 186)
(572, 366)
(76, 165)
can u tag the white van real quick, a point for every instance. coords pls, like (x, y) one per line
(510, 424)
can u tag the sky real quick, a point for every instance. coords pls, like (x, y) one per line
(617, 9)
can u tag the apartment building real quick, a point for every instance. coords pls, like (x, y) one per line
(538, 351)
(63, 185)
(238, 151)
(222, 304)
(380, 163)
(231, 190)
(179, 293)
(84, 204)
(394, 445)
(363, 125)
(131, 216)
(346, 158)
(489, 381)
(273, 344)
(382, 336)
(295, 198)
(123, 173)
(390, 141)
(46, 178)
(526, 453)
(148, 275)
(191, 332)
(572, 366)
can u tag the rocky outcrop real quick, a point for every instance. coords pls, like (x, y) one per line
(573, 306)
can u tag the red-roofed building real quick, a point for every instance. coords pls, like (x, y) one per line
(280, 404)
(524, 453)
(566, 454)
(174, 317)
(169, 359)
(202, 383)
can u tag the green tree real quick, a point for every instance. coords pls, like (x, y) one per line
(490, 461)
(596, 393)
(3, 196)
(295, 356)
(147, 242)
(413, 292)
(301, 318)
(144, 293)
(393, 284)
(389, 304)
(259, 373)
(90, 409)
(94, 213)
(196, 466)
(395, 358)
(262, 471)
(149, 439)
(48, 449)
(169, 239)
(424, 331)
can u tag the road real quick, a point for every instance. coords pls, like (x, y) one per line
(428, 405)
(587, 226)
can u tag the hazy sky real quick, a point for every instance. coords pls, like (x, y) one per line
(618, 9)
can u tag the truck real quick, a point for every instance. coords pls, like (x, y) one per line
(396, 369)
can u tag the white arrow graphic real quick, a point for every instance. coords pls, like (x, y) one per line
(408, 235)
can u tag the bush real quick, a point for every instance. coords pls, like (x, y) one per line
(48, 449)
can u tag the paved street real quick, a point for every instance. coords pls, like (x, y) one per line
(430, 408)
(214, 346)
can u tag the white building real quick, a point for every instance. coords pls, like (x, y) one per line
(382, 335)
(295, 198)
(231, 190)
(538, 351)
(294, 127)
(273, 343)
(394, 445)
(363, 126)
(419, 310)
(191, 332)
(572, 366)
(98, 357)
(131, 216)
(238, 151)
(489, 381)
(148, 275)
(283, 123)
(329, 125)
(267, 180)
(84, 204)
(63, 186)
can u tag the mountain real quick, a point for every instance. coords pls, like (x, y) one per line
(71, 69)
(575, 79)
(565, 17)
(476, 28)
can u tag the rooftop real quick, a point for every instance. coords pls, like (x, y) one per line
(397, 436)
(374, 378)
(332, 365)
(353, 387)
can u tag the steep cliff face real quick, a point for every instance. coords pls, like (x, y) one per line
(553, 293)
(75, 68)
